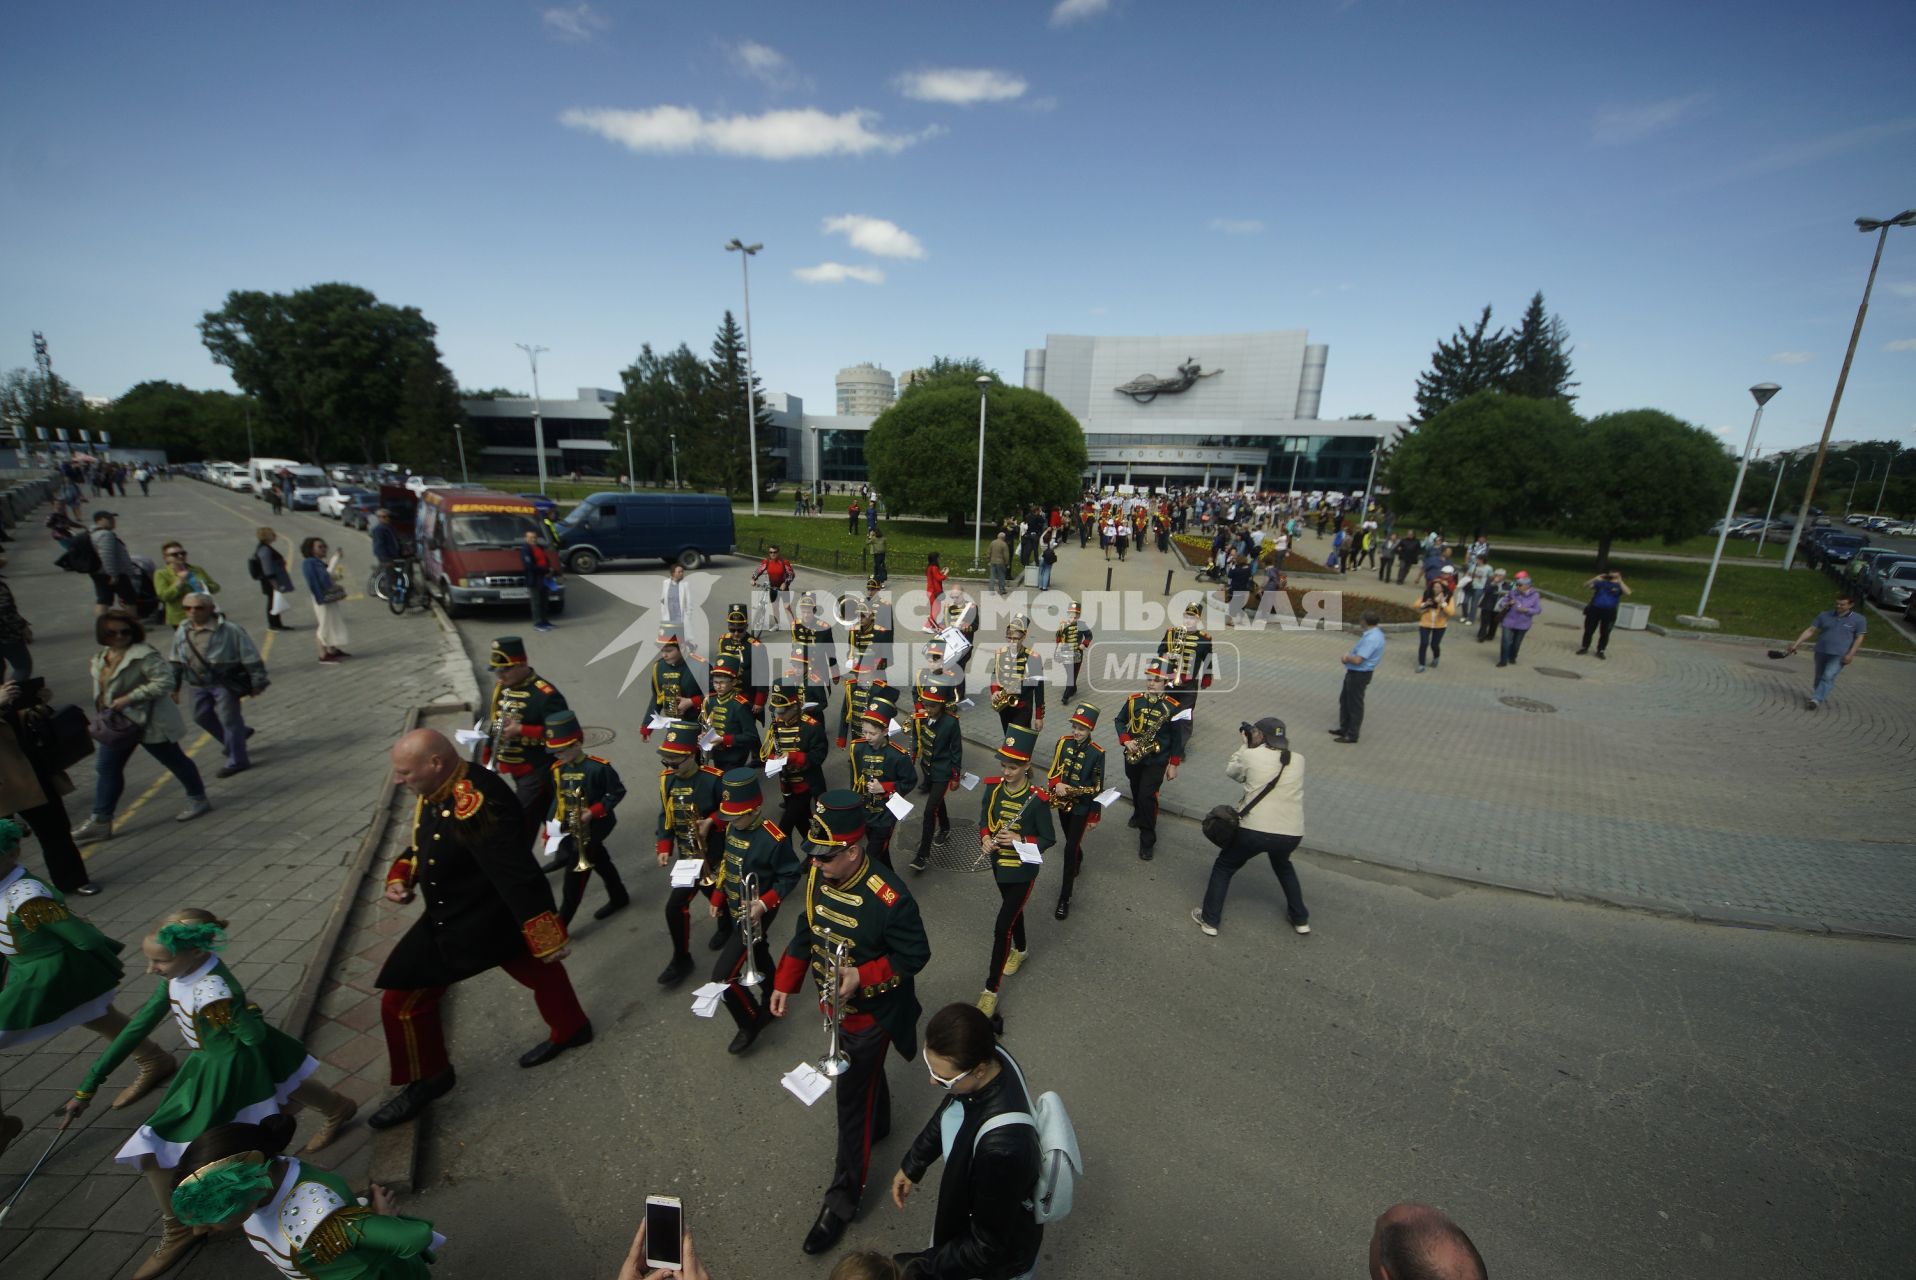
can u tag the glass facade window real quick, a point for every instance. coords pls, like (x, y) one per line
(841, 455)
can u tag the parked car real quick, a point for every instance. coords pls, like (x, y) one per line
(1835, 551)
(546, 505)
(1899, 531)
(358, 514)
(1893, 584)
(1880, 568)
(683, 527)
(1854, 519)
(333, 502)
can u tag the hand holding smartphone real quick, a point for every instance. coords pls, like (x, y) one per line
(664, 1232)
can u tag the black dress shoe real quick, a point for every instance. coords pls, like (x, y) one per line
(611, 909)
(825, 1232)
(545, 1051)
(743, 1040)
(718, 940)
(919, 864)
(675, 972)
(1063, 911)
(1133, 822)
(411, 1100)
(1144, 853)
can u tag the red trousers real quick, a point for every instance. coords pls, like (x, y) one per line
(416, 1037)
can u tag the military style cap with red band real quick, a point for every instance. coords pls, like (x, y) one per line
(507, 651)
(681, 739)
(562, 729)
(935, 693)
(1019, 740)
(669, 635)
(784, 696)
(725, 665)
(839, 820)
(878, 711)
(1086, 715)
(1158, 667)
(736, 613)
(743, 790)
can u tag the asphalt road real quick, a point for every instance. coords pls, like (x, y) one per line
(1593, 1093)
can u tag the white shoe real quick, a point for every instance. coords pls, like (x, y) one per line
(94, 829)
(1301, 928)
(194, 809)
(1197, 916)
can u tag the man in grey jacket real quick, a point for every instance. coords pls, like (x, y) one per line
(1273, 824)
(221, 664)
(115, 576)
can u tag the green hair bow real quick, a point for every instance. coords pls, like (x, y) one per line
(11, 833)
(222, 1190)
(192, 937)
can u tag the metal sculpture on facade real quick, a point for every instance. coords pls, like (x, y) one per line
(1147, 387)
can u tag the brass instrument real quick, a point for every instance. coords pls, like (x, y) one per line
(1063, 797)
(686, 843)
(578, 824)
(495, 730)
(836, 1062)
(1144, 744)
(1010, 686)
(748, 930)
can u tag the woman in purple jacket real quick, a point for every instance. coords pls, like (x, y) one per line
(1523, 605)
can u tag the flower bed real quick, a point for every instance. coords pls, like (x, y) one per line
(1197, 553)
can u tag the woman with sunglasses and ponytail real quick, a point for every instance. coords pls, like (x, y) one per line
(302, 1219)
(984, 1226)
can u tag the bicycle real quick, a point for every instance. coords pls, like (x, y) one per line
(395, 585)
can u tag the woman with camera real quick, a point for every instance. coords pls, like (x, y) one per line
(1270, 822)
(133, 690)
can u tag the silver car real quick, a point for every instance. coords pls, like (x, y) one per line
(1895, 585)
(1876, 566)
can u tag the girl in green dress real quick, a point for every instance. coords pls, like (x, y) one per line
(242, 1070)
(302, 1219)
(60, 971)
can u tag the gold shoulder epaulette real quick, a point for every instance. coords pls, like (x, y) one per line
(35, 913)
(334, 1238)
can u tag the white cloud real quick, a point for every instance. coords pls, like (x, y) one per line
(1791, 357)
(1902, 288)
(578, 22)
(775, 135)
(1237, 226)
(1901, 344)
(960, 86)
(1066, 12)
(839, 273)
(1615, 126)
(765, 64)
(876, 236)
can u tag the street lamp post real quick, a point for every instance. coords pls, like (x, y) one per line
(1893, 451)
(631, 476)
(1370, 485)
(674, 438)
(1849, 503)
(978, 509)
(1764, 532)
(1907, 218)
(1761, 393)
(745, 252)
(459, 437)
(538, 414)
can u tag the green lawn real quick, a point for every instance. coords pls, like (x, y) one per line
(826, 543)
(1700, 546)
(1747, 601)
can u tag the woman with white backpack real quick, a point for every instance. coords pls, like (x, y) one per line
(1004, 1157)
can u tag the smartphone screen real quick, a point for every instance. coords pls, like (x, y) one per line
(664, 1231)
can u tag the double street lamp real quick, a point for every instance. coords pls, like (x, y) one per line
(978, 510)
(538, 415)
(1881, 226)
(1761, 393)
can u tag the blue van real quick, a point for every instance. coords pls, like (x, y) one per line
(686, 528)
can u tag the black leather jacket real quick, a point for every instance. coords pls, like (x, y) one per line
(983, 1229)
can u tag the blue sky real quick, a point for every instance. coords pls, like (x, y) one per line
(1679, 180)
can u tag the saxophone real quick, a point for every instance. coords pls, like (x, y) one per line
(578, 823)
(1062, 797)
(1146, 743)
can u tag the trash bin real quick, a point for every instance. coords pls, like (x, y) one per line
(1633, 617)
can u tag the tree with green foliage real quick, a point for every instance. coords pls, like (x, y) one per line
(1470, 361)
(191, 426)
(719, 453)
(422, 434)
(1490, 461)
(491, 393)
(1540, 356)
(48, 402)
(1643, 474)
(663, 396)
(950, 371)
(329, 362)
(922, 452)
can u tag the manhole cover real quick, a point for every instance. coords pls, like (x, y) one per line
(958, 853)
(597, 737)
(1526, 704)
(1560, 673)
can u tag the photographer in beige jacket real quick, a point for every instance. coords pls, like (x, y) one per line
(1273, 825)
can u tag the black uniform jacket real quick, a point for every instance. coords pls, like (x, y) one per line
(486, 901)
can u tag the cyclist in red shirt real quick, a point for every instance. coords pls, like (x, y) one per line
(777, 572)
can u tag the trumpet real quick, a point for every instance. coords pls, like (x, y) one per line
(578, 825)
(835, 1062)
(495, 730)
(1004, 699)
(748, 930)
